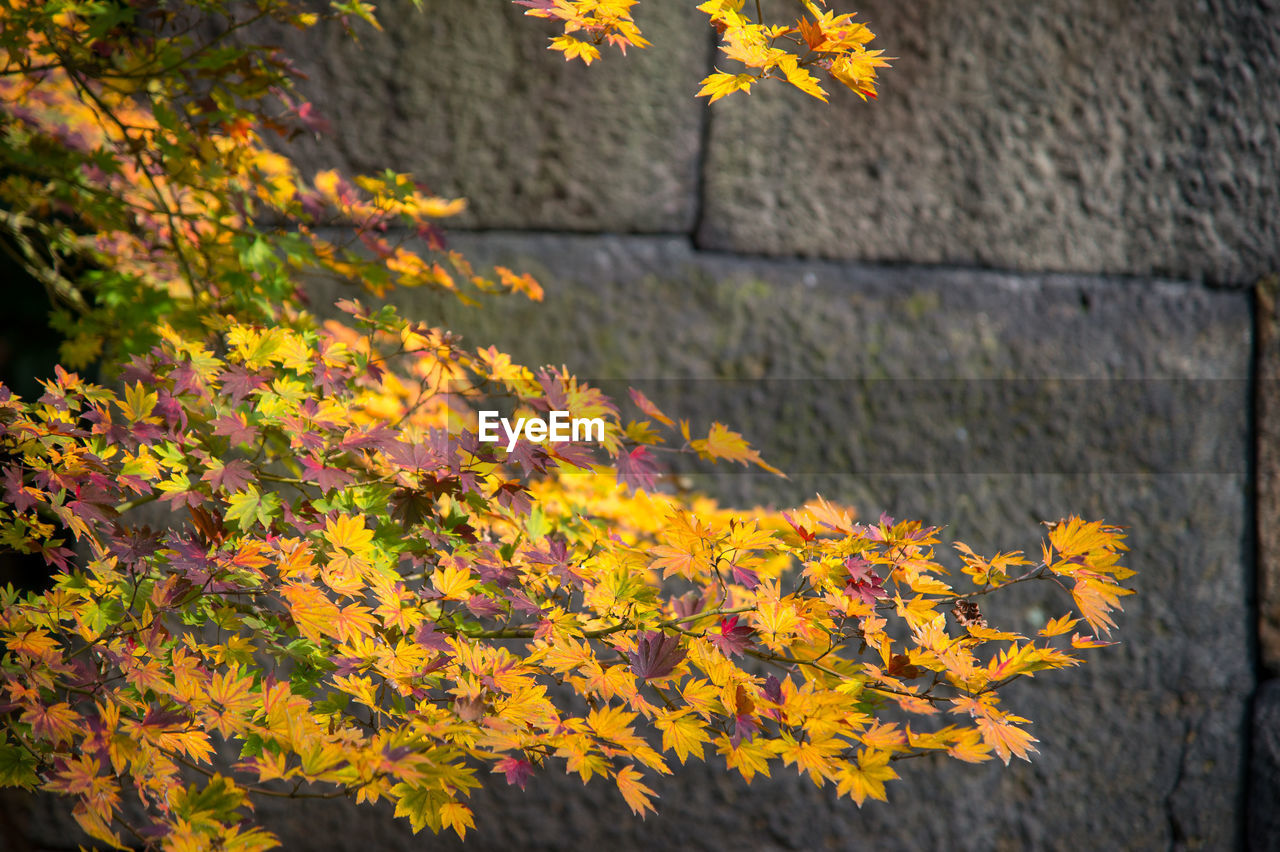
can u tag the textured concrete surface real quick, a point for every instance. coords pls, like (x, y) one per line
(467, 97)
(1088, 136)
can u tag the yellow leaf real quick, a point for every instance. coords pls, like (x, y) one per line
(918, 611)
(1058, 626)
(700, 695)
(812, 756)
(312, 612)
(138, 402)
(686, 562)
(1096, 598)
(351, 533)
(457, 816)
(1007, 740)
(801, 78)
(867, 777)
(967, 745)
(572, 48)
(749, 757)
(1074, 537)
(636, 794)
(352, 620)
(681, 732)
(719, 84)
(519, 283)
(453, 582)
(611, 722)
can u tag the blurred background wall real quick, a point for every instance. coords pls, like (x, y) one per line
(1035, 279)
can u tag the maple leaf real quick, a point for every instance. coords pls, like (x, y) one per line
(831, 516)
(537, 6)
(865, 779)
(812, 33)
(649, 408)
(419, 804)
(457, 816)
(718, 85)
(656, 656)
(453, 582)
(687, 562)
(1095, 599)
(228, 477)
(235, 427)
(516, 770)
(805, 535)
(1081, 641)
(864, 582)
(723, 443)
(251, 507)
(1058, 626)
(750, 757)
(328, 478)
(521, 283)
(1006, 739)
(572, 48)
(682, 733)
(638, 796)
(733, 638)
(429, 637)
(17, 767)
(57, 723)
(801, 78)
(350, 533)
(312, 611)
(238, 383)
(637, 469)
(745, 576)
(690, 603)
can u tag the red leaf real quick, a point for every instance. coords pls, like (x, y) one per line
(734, 636)
(637, 469)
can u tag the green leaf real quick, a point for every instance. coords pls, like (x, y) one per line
(252, 507)
(420, 805)
(218, 799)
(17, 767)
(536, 524)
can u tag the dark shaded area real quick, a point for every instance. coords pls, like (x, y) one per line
(28, 352)
(28, 346)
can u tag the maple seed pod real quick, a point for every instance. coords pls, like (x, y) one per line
(967, 614)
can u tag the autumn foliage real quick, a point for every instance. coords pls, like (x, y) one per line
(283, 564)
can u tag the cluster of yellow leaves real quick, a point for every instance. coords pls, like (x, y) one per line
(819, 39)
(596, 21)
(356, 595)
(832, 43)
(388, 656)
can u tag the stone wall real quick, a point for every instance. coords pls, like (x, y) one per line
(1021, 285)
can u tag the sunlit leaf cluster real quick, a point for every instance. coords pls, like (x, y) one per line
(818, 40)
(379, 606)
(280, 560)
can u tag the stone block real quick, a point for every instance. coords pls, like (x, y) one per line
(1071, 136)
(467, 97)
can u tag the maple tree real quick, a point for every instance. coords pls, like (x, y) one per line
(346, 593)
